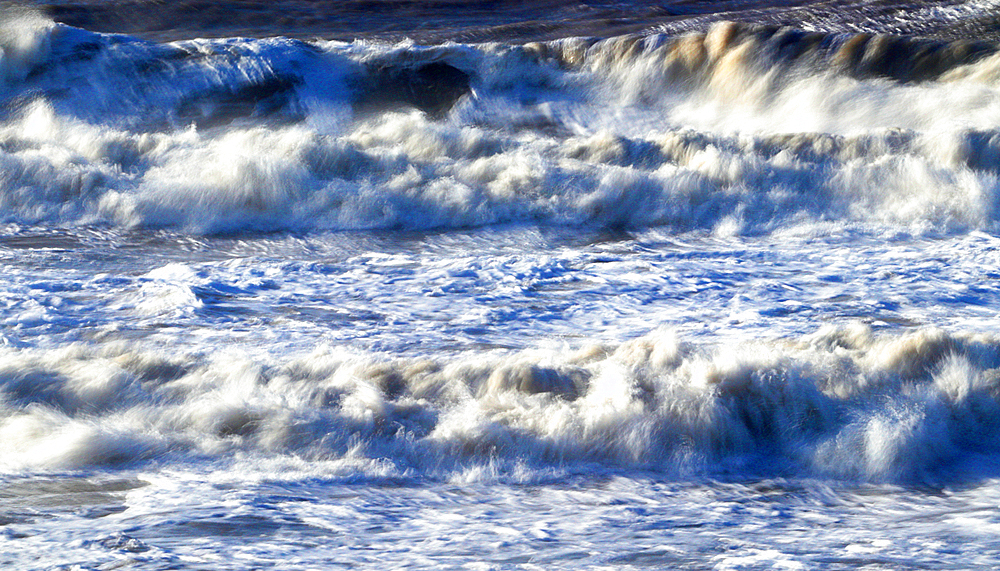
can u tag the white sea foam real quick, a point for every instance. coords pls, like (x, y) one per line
(732, 141)
(24, 42)
(842, 402)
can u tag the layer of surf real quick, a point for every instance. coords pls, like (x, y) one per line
(843, 402)
(739, 130)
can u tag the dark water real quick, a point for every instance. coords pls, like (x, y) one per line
(505, 21)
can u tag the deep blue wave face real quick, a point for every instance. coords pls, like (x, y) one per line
(501, 284)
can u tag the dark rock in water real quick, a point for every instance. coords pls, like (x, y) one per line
(432, 88)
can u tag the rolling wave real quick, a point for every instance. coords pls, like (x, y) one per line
(843, 402)
(740, 129)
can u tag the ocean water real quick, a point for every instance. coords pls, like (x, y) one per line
(499, 285)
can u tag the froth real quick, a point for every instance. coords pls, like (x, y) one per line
(24, 41)
(738, 130)
(406, 171)
(843, 402)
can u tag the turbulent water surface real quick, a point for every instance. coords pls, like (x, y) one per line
(499, 285)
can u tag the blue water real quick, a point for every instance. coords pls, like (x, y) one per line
(568, 286)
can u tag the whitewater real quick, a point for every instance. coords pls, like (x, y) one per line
(692, 287)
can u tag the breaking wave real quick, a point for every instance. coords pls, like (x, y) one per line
(736, 130)
(843, 402)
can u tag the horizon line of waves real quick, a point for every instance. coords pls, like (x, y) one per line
(920, 406)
